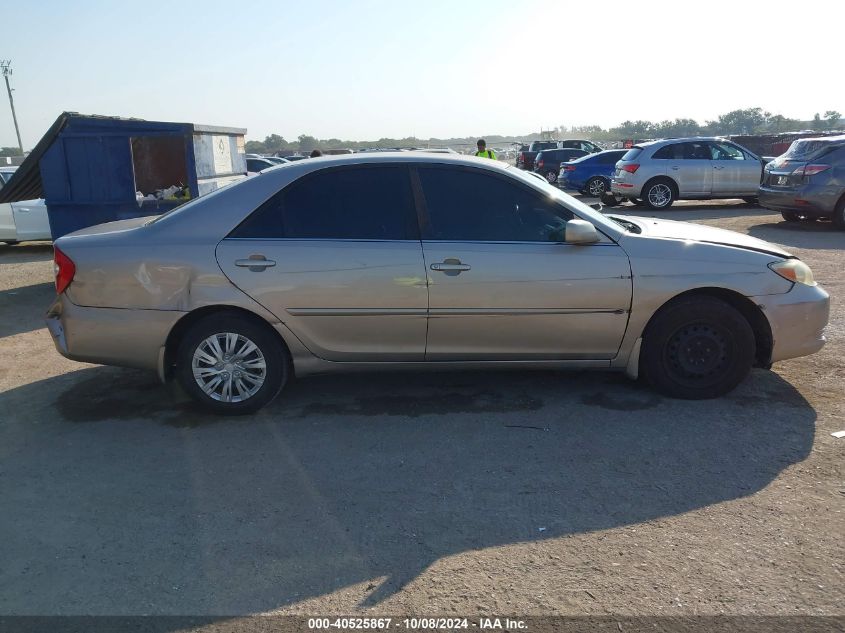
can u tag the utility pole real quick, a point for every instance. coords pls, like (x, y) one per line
(6, 69)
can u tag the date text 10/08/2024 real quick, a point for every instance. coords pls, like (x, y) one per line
(422, 623)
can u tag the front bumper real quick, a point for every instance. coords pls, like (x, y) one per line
(109, 336)
(810, 200)
(797, 319)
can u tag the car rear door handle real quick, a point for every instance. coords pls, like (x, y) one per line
(256, 263)
(451, 266)
(718, 167)
(675, 168)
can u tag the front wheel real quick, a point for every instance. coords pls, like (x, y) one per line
(231, 364)
(596, 187)
(658, 194)
(697, 348)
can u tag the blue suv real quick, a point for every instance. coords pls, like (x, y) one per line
(590, 174)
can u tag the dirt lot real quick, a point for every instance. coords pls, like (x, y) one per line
(503, 493)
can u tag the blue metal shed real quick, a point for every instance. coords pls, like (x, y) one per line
(94, 169)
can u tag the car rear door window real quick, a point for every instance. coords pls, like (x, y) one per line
(466, 205)
(361, 203)
(667, 152)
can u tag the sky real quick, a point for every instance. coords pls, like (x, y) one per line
(367, 69)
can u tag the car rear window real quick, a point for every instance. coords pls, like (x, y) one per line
(808, 149)
(632, 153)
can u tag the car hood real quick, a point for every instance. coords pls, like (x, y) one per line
(672, 229)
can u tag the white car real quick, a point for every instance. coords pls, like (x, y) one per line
(22, 221)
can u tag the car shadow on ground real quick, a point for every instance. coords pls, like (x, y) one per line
(26, 252)
(690, 212)
(120, 498)
(22, 309)
(820, 234)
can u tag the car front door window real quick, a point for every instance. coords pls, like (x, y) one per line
(466, 206)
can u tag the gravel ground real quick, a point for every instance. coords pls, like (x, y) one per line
(501, 493)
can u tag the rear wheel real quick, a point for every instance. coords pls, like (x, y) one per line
(231, 364)
(659, 194)
(551, 176)
(596, 187)
(697, 348)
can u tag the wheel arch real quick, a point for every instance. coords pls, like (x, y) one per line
(183, 325)
(752, 313)
(664, 178)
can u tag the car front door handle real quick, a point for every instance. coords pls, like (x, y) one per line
(451, 266)
(256, 263)
(675, 168)
(718, 167)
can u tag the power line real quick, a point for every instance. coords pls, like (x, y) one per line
(6, 69)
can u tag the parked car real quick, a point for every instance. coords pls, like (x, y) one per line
(412, 260)
(808, 181)
(700, 168)
(256, 165)
(527, 155)
(548, 161)
(22, 221)
(587, 146)
(276, 160)
(590, 174)
(294, 157)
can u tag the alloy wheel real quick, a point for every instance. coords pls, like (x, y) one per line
(660, 195)
(596, 187)
(229, 367)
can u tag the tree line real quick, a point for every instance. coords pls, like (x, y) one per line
(745, 121)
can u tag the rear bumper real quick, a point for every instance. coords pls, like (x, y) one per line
(109, 336)
(625, 189)
(809, 200)
(797, 319)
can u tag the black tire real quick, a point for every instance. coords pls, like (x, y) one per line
(697, 348)
(275, 358)
(838, 217)
(751, 200)
(596, 187)
(609, 200)
(659, 194)
(636, 201)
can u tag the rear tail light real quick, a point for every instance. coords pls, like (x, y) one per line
(540, 164)
(812, 170)
(631, 169)
(65, 270)
(569, 168)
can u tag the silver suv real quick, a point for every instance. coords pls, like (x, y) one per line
(701, 168)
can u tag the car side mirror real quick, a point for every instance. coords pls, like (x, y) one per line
(581, 232)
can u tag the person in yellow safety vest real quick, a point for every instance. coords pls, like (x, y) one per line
(483, 152)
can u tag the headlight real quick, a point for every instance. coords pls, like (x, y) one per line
(794, 270)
